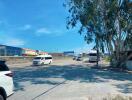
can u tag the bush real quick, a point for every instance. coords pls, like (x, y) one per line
(107, 59)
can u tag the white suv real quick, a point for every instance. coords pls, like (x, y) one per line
(6, 81)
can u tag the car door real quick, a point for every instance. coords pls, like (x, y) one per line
(6, 80)
(47, 60)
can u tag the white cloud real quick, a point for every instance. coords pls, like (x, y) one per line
(11, 41)
(53, 31)
(25, 27)
(14, 42)
(84, 49)
(46, 31)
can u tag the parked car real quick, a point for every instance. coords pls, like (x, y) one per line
(6, 81)
(74, 58)
(79, 59)
(42, 59)
(93, 56)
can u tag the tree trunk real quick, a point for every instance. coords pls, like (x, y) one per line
(97, 44)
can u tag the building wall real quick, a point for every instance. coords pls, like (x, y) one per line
(2, 50)
(10, 51)
(29, 52)
(13, 51)
(16, 51)
(41, 52)
(129, 64)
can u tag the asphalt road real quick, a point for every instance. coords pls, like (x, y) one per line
(68, 81)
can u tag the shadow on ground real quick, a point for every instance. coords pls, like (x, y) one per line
(39, 75)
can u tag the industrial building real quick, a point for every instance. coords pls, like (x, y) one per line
(28, 52)
(10, 51)
(16, 51)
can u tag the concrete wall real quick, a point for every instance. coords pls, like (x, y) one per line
(16, 59)
(129, 64)
(21, 59)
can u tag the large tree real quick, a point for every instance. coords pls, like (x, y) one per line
(105, 22)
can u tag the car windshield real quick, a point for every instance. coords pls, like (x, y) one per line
(37, 58)
(92, 54)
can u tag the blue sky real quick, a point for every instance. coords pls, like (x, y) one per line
(38, 24)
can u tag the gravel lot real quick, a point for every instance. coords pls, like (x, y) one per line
(67, 80)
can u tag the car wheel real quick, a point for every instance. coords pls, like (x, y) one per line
(1, 97)
(42, 63)
(50, 62)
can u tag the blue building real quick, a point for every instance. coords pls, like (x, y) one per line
(69, 53)
(10, 51)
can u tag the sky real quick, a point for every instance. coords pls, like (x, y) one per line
(39, 25)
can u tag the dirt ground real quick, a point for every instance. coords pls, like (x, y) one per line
(66, 79)
(64, 61)
(57, 61)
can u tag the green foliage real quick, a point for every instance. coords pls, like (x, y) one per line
(107, 59)
(105, 22)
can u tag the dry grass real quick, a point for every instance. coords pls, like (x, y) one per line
(110, 97)
(118, 97)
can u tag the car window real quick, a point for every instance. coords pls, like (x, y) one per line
(37, 58)
(3, 67)
(46, 58)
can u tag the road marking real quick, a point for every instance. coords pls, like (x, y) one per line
(49, 90)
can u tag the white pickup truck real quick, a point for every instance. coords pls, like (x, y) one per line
(6, 81)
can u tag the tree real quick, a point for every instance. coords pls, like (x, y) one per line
(105, 22)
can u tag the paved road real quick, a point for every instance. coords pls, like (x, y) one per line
(68, 82)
